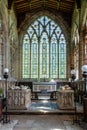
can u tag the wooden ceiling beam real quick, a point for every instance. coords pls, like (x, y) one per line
(21, 5)
(70, 1)
(25, 7)
(64, 9)
(18, 1)
(58, 6)
(66, 4)
(22, 2)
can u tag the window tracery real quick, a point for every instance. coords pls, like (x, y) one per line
(44, 50)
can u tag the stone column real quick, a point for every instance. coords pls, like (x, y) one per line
(6, 44)
(68, 59)
(80, 62)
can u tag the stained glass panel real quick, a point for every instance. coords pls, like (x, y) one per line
(34, 57)
(44, 55)
(62, 58)
(44, 50)
(26, 57)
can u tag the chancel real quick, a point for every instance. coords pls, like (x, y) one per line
(43, 52)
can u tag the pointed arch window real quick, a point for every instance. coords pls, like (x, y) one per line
(44, 51)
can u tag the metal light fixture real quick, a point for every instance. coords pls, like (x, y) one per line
(84, 73)
(73, 74)
(84, 69)
(5, 116)
(73, 77)
(6, 70)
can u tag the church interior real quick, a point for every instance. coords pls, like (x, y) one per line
(43, 64)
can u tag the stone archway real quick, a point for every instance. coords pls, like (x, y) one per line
(31, 18)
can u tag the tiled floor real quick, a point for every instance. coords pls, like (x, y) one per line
(46, 122)
(48, 118)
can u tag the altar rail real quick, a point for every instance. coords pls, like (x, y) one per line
(79, 87)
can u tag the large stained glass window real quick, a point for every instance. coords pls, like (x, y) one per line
(44, 51)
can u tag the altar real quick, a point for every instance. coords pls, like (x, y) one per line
(40, 86)
(44, 89)
(65, 99)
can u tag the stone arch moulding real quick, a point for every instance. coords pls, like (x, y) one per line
(55, 17)
(84, 22)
